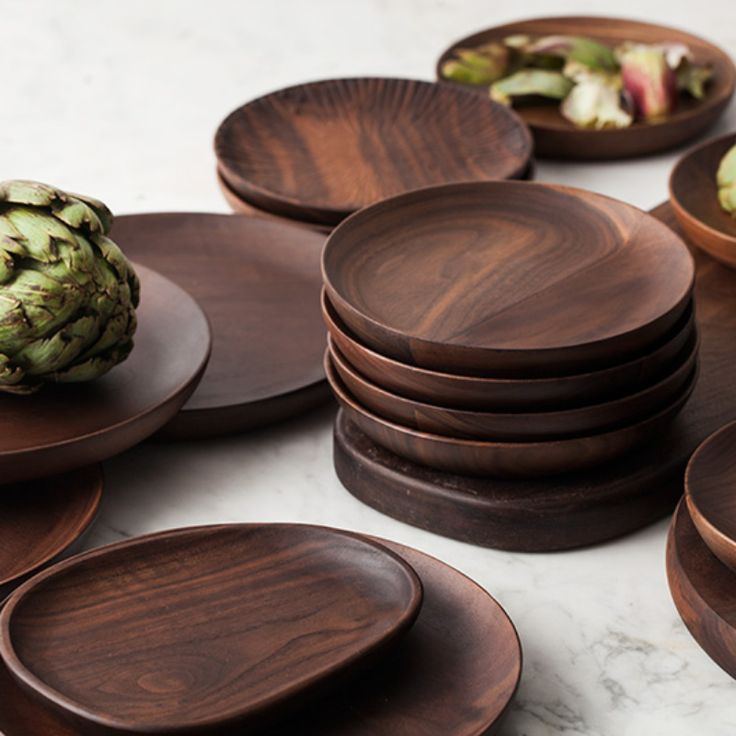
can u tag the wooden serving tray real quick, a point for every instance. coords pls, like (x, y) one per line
(571, 510)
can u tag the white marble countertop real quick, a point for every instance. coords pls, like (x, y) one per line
(121, 100)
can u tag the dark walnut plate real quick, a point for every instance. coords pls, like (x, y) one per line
(704, 591)
(323, 150)
(491, 278)
(208, 628)
(571, 510)
(41, 520)
(64, 427)
(694, 199)
(556, 137)
(453, 674)
(710, 485)
(258, 283)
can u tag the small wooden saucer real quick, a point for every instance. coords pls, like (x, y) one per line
(556, 137)
(64, 427)
(694, 198)
(259, 284)
(43, 519)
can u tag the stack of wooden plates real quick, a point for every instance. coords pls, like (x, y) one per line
(507, 328)
(315, 153)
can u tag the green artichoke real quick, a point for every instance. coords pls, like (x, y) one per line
(67, 293)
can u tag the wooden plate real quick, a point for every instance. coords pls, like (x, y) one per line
(506, 459)
(206, 628)
(556, 137)
(702, 588)
(694, 198)
(710, 491)
(42, 519)
(258, 282)
(572, 510)
(517, 426)
(498, 394)
(69, 426)
(489, 278)
(323, 150)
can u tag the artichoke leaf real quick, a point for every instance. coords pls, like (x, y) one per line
(40, 232)
(99, 208)
(595, 104)
(726, 181)
(29, 193)
(47, 355)
(116, 258)
(95, 367)
(582, 50)
(78, 216)
(539, 82)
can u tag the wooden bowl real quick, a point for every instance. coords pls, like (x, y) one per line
(556, 137)
(517, 426)
(511, 279)
(323, 150)
(694, 198)
(201, 629)
(503, 459)
(502, 394)
(710, 491)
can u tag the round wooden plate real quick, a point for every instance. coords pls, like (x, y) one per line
(41, 520)
(259, 284)
(572, 510)
(710, 492)
(694, 198)
(702, 588)
(517, 426)
(454, 673)
(64, 427)
(323, 150)
(556, 137)
(498, 394)
(507, 279)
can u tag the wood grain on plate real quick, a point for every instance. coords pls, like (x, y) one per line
(323, 150)
(453, 674)
(64, 427)
(572, 510)
(205, 628)
(517, 426)
(703, 590)
(258, 283)
(710, 492)
(42, 519)
(507, 278)
(498, 394)
(694, 199)
(556, 137)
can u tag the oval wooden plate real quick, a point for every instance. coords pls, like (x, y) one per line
(710, 492)
(507, 278)
(498, 394)
(556, 137)
(323, 150)
(505, 459)
(42, 519)
(517, 426)
(205, 628)
(64, 427)
(694, 198)
(702, 588)
(460, 683)
(258, 283)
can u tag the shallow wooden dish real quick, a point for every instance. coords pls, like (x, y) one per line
(694, 198)
(517, 426)
(457, 684)
(258, 283)
(482, 393)
(702, 588)
(214, 627)
(556, 137)
(43, 519)
(323, 150)
(505, 459)
(64, 427)
(489, 278)
(710, 492)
